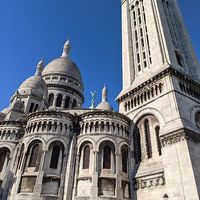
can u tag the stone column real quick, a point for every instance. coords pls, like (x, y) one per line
(39, 179)
(54, 100)
(63, 102)
(94, 188)
(118, 189)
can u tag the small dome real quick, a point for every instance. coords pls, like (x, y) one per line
(35, 84)
(63, 66)
(104, 105)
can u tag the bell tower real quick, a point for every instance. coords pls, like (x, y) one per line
(154, 38)
(161, 96)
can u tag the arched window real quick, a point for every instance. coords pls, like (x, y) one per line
(86, 157)
(55, 157)
(59, 100)
(157, 131)
(67, 100)
(74, 103)
(107, 157)
(51, 98)
(102, 127)
(91, 126)
(36, 107)
(96, 126)
(35, 156)
(124, 153)
(31, 108)
(147, 138)
(137, 146)
(4, 153)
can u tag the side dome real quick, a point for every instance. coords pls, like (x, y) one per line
(36, 85)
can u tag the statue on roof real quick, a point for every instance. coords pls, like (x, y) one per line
(93, 94)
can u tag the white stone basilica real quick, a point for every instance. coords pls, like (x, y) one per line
(53, 149)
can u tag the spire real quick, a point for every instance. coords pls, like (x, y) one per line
(104, 94)
(66, 48)
(39, 69)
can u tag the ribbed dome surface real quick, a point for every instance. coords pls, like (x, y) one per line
(36, 85)
(64, 66)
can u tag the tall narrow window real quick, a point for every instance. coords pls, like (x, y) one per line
(31, 107)
(74, 103)
(157, 131)
(51, 98)
(67, 100)
(55, 157)
(35, 157)
(124, 153)
(86, 157)
(137, 146)
(3, 155)
(147, 139)
(59, 100)
(107, 157)
(36, 107)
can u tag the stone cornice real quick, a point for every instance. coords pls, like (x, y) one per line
(105, 113)
(13, 123)
(152, 181)
(49, 113)
(178, 136)
(157, 77)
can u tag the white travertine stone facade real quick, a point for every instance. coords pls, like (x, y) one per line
(53, 149)
(161, 96)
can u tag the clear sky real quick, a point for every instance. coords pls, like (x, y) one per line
(32, 29)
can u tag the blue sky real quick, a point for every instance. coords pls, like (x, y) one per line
(34, 29)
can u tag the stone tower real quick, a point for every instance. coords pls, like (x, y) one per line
(161, 96)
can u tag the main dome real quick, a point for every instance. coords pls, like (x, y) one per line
(63, 66)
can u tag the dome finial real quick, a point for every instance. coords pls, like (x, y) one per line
(104, 93)
(66, 48)
(39, 69)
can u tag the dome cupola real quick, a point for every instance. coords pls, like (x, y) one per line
(35, 85)
(64, 81)
(104, 105)
(33, 92)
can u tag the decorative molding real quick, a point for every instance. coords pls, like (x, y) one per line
(157, 77)
(152, 181)
(179, 136)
